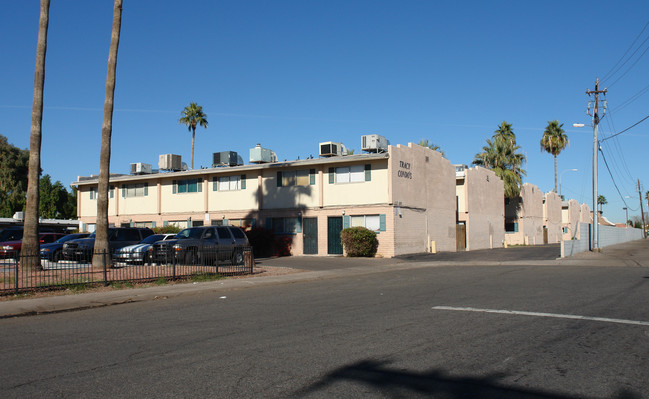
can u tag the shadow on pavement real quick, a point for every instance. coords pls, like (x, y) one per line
(397, 382)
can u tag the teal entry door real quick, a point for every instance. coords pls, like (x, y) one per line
(310, 235)
(334, 227)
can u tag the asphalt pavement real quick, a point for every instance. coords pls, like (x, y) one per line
(631, 254)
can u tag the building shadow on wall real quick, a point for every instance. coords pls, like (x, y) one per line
(278, 214)
(399, 383)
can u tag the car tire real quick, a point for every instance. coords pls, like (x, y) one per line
(57, 256)
(237, 257)
(191, 257)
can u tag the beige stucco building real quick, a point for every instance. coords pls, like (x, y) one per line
(552, 218)
(570, 218)
(480, 208)
(406, 195)
(524, 217)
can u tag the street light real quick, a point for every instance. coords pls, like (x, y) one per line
(561, 175)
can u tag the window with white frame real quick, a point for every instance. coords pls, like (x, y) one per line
(93, 193)
(296, 178)
(350, 174)
(229, 183)
(135, 190)
(370, 222)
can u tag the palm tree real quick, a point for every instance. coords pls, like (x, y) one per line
(30, 247)
(432, 146)
(193, 115)
(501, 155)
(101, 234)
(601, 201)
(505, 132)
(554, 140)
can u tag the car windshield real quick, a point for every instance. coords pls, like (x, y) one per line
(152, 239)
(11, 235)
(68, 238)
(190, 233)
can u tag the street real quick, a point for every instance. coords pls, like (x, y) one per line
(442, 332)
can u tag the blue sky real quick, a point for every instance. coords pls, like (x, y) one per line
(289, 74)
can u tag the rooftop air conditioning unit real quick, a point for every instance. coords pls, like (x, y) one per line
(374, 143)
(141, 168)
(171, 162)
(262, 155)
(331, 149)
(226, 158)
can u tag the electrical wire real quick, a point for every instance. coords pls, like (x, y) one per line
(611, 72)
(613, 180)
(628, 128)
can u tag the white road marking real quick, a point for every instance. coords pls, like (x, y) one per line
(538, 314)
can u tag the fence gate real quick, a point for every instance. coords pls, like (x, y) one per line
(545, 234)
(460, 237)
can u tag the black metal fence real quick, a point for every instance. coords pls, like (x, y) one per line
(35, 273)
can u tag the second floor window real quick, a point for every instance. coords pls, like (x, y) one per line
(229, 183)
(135, 190)
(187, 186)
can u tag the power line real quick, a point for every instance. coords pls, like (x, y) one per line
(628, 128)
(611, 72)
(613, 180)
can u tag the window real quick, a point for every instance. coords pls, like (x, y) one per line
(511, 227)
(371, 222)
(111, 192)
(229, 183)
(135, 190)
(284, 225)
(93, 193)
(351, 174)
(187, 186)
(296, 178)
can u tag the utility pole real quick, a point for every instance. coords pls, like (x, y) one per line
(644, 235)
(596, 118)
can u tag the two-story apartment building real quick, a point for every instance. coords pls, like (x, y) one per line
(406, 195)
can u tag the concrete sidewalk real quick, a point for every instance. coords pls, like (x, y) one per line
(631, 254)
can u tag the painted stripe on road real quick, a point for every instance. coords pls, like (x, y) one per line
(538, 314)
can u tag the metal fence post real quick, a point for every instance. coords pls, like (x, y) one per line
(105, 270)
(16, 277)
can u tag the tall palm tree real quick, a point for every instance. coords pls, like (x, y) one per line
(101, 234)
(601, 201)
(193, 115)
(30, 247)
(554, 141)
(432, 146)
(501, 155)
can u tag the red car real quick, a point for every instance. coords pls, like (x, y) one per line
(11, 249)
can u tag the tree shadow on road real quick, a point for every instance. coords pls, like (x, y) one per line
(395, 382)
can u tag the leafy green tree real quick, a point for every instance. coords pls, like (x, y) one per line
(554, 141)
(13, 178)
(192, 116)
(30, 246)
(601, 201)
(432, 146)
(501, 155)
(55, 201)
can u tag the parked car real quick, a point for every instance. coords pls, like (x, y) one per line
(54, 251)
(118, 237)
(11, 249)
(203, 245)
(139, 253)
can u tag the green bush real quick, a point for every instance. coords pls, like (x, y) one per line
(359, 241)
(168, 229)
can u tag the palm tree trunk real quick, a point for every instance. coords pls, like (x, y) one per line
(31, 243)
(101, 236)
(555, 173)
(193, 136)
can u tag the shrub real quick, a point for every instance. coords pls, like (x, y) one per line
(359, 241)
(262, 241)
(168, 229)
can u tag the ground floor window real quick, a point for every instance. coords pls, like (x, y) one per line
(371, 222)
(511, 226)
(283, 225)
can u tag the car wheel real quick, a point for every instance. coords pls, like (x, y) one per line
(237, 257)
(57, 256)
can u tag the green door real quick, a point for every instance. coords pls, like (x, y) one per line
(334, 227)
(310, 235)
